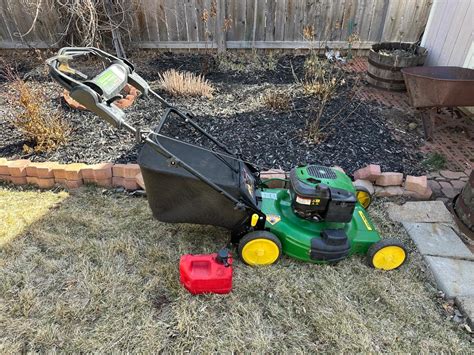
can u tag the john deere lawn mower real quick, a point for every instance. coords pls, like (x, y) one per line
(317, 216)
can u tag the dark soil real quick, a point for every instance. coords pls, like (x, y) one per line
(362, 133)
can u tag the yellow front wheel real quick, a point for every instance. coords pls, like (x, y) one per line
(260, 248)
(364, 197)
(387, 254)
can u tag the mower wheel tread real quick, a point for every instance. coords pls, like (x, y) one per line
(363, 189)
(260, 234)
(385, 243)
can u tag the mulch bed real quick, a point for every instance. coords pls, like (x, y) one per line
(363, 133)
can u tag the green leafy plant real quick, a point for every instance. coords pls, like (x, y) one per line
(434, 161)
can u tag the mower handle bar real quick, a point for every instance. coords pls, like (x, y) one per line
(97, 94)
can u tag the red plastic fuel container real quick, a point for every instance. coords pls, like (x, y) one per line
(208, 273)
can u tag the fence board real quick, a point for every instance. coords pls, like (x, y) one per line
(260, 13)
(161, 20)
(191, 20)
(171, 20)
(270, 12)
(280, 20)
(252, 22)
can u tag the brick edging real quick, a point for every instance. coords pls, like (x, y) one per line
(46, 175)
(378, 183)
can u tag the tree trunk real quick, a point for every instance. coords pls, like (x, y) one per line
(464, 206)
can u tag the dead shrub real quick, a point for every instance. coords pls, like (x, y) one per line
(185, 84)
(276, 101)
(45, 128)
(321, 80)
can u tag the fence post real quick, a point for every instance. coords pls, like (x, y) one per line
(219, 30)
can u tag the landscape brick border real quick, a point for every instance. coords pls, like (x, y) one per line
(46, 175)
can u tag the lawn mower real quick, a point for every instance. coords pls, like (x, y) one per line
(316, 216)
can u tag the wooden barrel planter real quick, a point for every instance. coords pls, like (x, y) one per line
(464, 207)
(383, 71)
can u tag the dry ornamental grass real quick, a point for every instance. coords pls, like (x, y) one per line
(277, 101)
(45, 128)
(185, 84)
(99, 274)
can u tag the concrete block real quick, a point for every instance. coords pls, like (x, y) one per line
(107, 182)
(453, 276)
(45, 170)
(420, 211)
(370, 172)
(274, 174)
(73, 171)
(31, 170)
(58, 172)
(417, 184)
(117, 181)
(46, 183)
(437, 239)
(99, 171)
(128, 171)
(32, 180)
(130, 184)
(466, 305)
(389, 179)
(60, 181)
(140, 181)
(389, 191)
(17, 168)
(18, 180)
(366, 184)
(4, 167)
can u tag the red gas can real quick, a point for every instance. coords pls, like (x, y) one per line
(209, 273)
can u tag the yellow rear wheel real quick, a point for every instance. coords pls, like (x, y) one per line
(364, 198)
(260, 248)
(387, 254)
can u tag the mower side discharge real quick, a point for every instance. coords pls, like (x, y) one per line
(318, 217)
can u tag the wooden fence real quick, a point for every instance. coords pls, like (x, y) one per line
(238, 23)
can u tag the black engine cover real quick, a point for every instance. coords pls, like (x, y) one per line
(321, 202)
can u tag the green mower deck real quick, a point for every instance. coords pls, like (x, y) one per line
(295, 233)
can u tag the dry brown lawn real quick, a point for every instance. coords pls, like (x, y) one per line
(100, 274)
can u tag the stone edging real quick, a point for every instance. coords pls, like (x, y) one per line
(46, 175)
(387, 184)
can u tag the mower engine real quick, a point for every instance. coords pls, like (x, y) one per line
(316, 197)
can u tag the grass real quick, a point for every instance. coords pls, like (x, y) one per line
(22, 208)
(100, 274)
(185, 84)
(276, 100)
